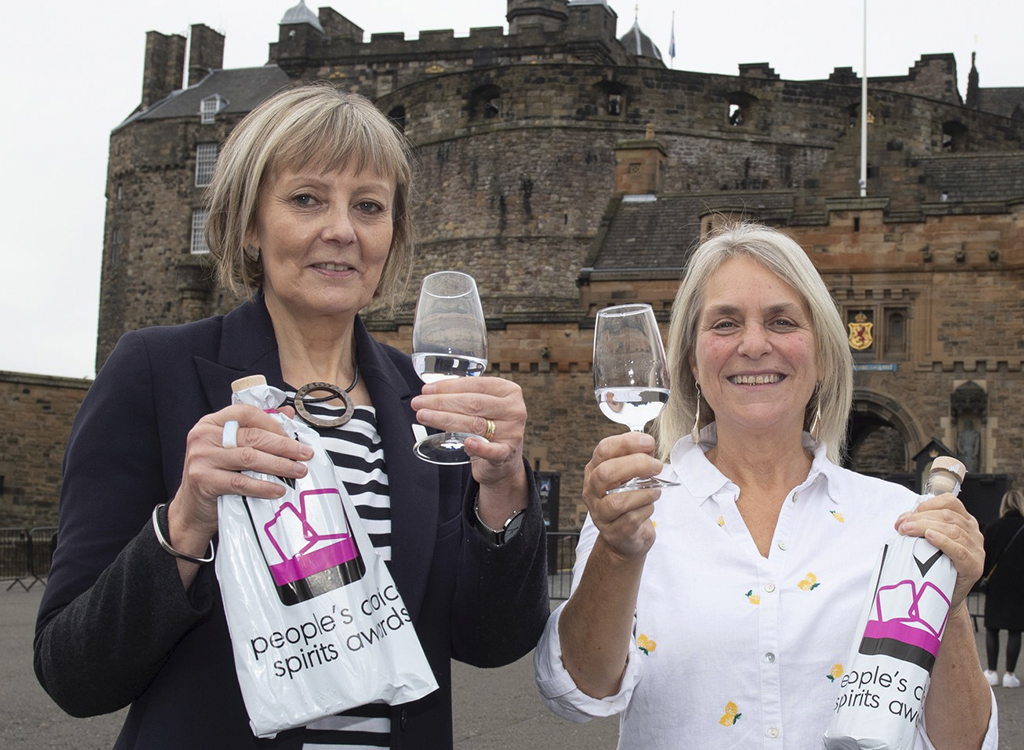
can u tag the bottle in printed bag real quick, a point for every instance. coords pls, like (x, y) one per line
(883, 688)
(305, 536)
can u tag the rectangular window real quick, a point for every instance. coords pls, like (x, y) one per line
(198, 225)
(208, 109)
(206, 160)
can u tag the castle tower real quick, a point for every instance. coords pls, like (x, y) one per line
(549, 15)
(638, 44)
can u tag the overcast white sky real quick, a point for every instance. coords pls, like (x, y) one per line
(72, 71)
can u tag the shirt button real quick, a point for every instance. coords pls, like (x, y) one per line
(772, 733)
(769, 657)
(783, 546)
(770, 588)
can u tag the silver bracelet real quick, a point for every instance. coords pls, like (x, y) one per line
(167, 545)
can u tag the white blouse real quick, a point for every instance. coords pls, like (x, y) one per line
(731, 649)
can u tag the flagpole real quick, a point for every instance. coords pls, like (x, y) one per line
(864, 110)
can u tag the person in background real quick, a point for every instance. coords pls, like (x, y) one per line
(720, 615)
(1004, 571)
(310, 221)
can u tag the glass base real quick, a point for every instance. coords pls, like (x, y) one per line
(445, 448)
(648, 483)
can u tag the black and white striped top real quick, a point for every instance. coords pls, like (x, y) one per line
(355, 448)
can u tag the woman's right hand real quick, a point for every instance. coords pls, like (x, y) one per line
(622, 518)
(211, 469)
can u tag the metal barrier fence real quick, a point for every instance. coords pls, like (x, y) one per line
(25, 555)
(561, 558)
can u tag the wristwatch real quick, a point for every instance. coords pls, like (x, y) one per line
(508, 530)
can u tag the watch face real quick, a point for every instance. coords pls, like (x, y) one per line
(513, 525)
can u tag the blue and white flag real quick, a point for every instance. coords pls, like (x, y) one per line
(672, 40)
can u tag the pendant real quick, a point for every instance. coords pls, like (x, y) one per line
(302, 398)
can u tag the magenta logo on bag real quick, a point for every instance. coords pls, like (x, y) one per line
(320, 549)
(309, 549)
(907, 623)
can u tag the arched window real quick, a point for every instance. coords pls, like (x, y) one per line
(740, 109)
(115, 244)
(611, 98)
(954, 136)
(853, 115)
(485, 102)
(896, 332)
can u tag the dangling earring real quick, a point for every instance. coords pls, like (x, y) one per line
(695, 432)
(815, 423)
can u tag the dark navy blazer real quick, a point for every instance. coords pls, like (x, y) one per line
(115, 625)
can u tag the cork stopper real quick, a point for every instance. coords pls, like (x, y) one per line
(946, 473)
(253, 380)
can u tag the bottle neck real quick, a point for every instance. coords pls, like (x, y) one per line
(941, 482)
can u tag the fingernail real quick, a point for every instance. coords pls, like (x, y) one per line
(908, 527)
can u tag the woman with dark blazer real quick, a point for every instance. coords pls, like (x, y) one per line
(1004, 607)
(309, 220)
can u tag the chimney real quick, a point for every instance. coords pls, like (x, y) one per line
(639, 165)
(164, 67)
(205, 53)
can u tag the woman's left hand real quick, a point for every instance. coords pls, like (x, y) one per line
(944, 521)
(473, 405)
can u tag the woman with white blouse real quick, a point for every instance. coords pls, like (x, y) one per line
(732, 629)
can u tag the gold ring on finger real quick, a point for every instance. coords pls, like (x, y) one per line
(491, 429)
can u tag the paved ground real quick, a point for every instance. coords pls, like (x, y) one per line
(494, 709)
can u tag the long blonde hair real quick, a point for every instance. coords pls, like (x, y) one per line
(785, 258)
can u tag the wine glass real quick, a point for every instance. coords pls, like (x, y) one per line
(449, 340)
(630, 373)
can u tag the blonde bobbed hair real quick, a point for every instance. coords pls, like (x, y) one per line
(315, 126)
(1012, 500)
(783, 257)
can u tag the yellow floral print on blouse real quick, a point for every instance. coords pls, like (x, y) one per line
(838, 516)
(645, 644)
(731, 715)
(752, 597)
(835, 673)
(809, 583)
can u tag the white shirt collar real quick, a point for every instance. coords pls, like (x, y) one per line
(703, 479)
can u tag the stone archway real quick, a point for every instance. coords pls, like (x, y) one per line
(883, 437)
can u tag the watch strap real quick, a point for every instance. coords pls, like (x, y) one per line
(495, 536)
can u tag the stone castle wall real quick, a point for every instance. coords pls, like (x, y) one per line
(527, 187)
(37, 412)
